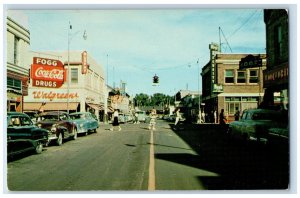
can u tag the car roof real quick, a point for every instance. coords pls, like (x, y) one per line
(79, 113)
(54, 113)
(16, 113)
(262, 111)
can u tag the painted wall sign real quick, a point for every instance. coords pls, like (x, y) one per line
(277, 76)
(51, 95)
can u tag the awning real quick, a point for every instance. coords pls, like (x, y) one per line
(94, 106)
(50, 106)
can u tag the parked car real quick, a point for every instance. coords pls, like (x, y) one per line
(128, 118)
(121, 118)
(85, 122)
(59, 124)
(255, 123)
(23, 135)
(142, 117)
(33, 115)
(278, 136)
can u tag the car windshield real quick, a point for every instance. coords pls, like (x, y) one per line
(52, 117)
(77, 116)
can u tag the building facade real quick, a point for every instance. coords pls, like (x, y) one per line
(18, 63)
(226, 86)
(276, 75)
(85, 92)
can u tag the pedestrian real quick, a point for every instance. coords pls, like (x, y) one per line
(177, 117)
(152, 120)
(222, 118)
(237, 115)
(136, 118)
(115, 120)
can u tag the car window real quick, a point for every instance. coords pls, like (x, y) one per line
(244, 115)
(63, 117)
(25, 121)
(248, 116)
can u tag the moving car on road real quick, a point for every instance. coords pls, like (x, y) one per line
(85, 122)
(255, 124)
(59, 124)
(23, 135)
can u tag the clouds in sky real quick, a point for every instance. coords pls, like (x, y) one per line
(140, 43)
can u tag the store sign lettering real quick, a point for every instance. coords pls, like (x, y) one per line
(53, 95)
(84, 62)
(278, 75)
(46, 61)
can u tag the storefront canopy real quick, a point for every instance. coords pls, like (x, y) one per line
(51, 106)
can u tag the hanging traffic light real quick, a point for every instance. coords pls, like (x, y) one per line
(155, 79)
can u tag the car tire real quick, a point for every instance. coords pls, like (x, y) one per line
(59, 140)
(74, 137)
(39, 148)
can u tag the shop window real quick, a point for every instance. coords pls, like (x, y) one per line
(253, 78)
(74, 75)
(229, 76)
(241, 77)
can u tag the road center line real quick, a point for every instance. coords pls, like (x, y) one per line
(151, 181)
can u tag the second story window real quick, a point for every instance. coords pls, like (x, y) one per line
(241, 77)
(229, 76)
(16, 50)
(14, 83)
(278, 43)
(253, 77)
(74, 75)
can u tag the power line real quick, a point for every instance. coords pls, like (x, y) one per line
(244, 23)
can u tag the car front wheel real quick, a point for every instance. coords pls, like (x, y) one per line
(39, 148)
(75, 134)
(59, 140)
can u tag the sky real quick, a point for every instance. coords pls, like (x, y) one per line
(133, 45)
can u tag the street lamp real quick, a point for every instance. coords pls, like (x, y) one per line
(69, 73)
(198, 73)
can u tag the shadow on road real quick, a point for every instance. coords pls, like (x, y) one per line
(240, 166)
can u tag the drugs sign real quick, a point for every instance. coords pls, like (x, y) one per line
(47, 73)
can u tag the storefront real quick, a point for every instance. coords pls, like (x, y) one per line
(276, 84)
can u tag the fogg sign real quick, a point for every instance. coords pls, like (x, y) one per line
(47, 73)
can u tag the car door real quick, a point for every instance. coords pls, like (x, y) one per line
(19, 135)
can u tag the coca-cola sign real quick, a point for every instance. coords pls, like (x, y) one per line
(47, 76)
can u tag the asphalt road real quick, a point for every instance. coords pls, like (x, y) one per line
(137, 159)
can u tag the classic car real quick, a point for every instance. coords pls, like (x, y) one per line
(255, 124)
(23, 135)
(60, 125)
(85, 122)
(32, 114)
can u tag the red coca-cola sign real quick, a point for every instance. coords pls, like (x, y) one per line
(47, 73)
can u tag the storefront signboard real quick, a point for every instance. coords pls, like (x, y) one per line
(250, 61)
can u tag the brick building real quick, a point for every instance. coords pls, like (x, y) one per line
(225, 86)
(276, 76)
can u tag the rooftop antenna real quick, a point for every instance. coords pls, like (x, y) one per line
(221, 31)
